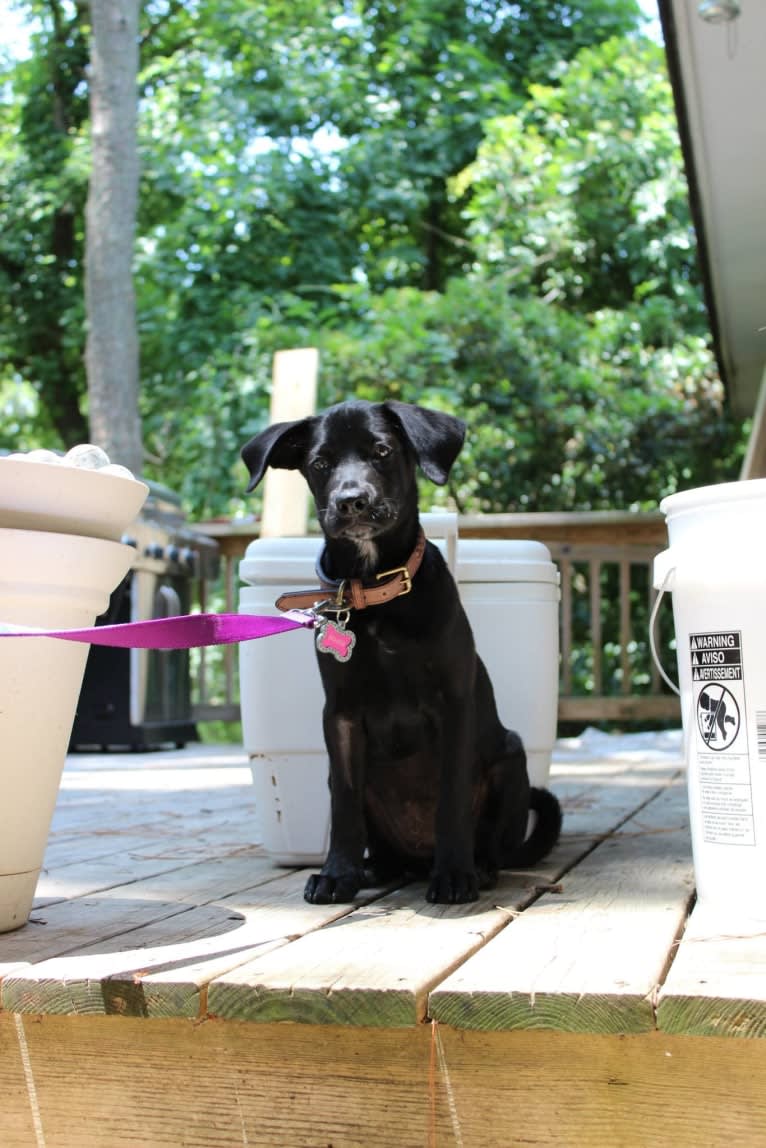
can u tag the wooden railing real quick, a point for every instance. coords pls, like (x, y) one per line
(605, 562)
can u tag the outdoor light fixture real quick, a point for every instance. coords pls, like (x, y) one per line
(718, 11)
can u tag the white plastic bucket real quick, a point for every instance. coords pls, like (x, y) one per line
(715, 567)
(53, 581)
(510, 592)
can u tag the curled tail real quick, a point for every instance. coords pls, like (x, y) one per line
(544, 835)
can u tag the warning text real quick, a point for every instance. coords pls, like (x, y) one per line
(716, 657)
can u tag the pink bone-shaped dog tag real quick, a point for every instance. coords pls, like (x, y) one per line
(332, 640)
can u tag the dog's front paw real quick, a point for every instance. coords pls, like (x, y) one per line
(326, 889)
(452, 887)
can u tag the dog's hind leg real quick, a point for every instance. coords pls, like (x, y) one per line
(453, 875)
(504, 815)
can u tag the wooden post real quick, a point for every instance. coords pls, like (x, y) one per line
(754, 464)
(293, 396)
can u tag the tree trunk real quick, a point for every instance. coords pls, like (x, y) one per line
(111, 354)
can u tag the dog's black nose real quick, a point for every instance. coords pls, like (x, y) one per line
(351, 503)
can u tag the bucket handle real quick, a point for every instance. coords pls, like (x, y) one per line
(652, 622)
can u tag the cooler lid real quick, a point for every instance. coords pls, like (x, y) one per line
(281, 560)
(292, 560)
(504, 560)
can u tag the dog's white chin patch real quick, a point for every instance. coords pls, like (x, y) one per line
(368, 552)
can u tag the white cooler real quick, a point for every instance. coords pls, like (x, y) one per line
(510, 590)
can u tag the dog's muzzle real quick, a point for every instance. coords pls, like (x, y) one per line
(356, 512)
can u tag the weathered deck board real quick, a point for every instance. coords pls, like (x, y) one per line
(716, 985)
(146, 929)
(86, 863)
(372, 968)
(377, 966)
(142, 858)
(66, 925)
(179, 989)
(119, 1082)
(154, 969)
(589, 958)
(123, 819)
(165, 926)
(128, 815)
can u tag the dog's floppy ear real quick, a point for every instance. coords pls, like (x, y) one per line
(282, 445)
(435, 437)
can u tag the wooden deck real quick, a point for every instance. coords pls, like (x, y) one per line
(173, 988)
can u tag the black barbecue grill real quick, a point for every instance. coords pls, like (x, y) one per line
(139, 699)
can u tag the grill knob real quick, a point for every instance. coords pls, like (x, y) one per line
(189, 559)
(154, 550)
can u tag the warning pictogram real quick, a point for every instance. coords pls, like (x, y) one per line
(717, 716)
(716, 657)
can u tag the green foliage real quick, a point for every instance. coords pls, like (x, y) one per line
(476, 206)
(432, 76)
(42, 197)
(581, 198)
(565, 411)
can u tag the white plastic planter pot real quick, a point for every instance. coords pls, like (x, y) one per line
(54, 581)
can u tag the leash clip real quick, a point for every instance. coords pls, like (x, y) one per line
(340, 595)
(330, 608)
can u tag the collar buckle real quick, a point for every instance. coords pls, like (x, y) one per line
(406, 578)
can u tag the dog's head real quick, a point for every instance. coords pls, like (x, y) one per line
(359, 460)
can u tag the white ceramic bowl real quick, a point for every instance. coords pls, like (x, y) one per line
(67, 500)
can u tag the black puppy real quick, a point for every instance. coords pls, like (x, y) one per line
(422, 773)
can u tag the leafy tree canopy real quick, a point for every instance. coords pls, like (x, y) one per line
(478, 204)
(580, 197)
(566, 411)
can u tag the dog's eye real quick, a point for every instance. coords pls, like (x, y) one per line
(319, 463)
(382, 450)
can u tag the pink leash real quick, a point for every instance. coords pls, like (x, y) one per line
(178, 633)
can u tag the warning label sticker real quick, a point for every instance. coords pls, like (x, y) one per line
(716, 657)
(723, 762)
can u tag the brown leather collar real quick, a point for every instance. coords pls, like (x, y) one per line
(353, 594)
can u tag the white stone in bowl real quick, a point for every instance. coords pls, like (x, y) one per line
(66, 499)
